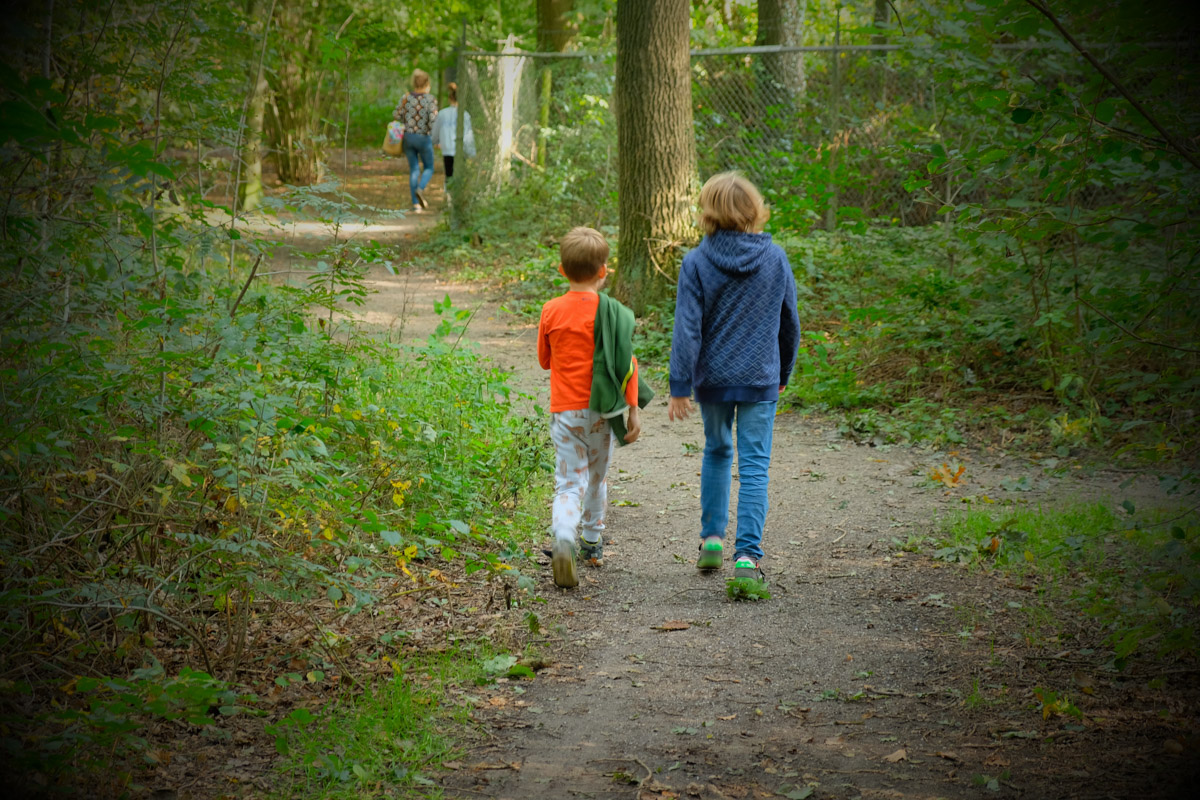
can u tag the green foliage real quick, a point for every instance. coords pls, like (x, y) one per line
(385, 736)
(749, 589)
(1140, 577)
(186, 448)
(104, 717)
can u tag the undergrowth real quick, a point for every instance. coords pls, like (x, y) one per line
(1136, 574)
(384, 736)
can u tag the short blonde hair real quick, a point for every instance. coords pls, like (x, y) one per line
(420, 80)
(583, 251)
(729, 201)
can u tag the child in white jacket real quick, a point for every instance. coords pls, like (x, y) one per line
(445, 129)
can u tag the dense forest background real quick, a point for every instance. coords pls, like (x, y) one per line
(990, 217)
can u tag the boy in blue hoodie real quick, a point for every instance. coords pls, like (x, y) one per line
(734, 345)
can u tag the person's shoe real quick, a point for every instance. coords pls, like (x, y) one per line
(591, 551)
(746, 567)
(712, 554)
(562, 562)
(421, 199)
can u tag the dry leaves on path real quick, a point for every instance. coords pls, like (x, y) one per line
(673, 625)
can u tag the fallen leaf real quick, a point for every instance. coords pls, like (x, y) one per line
(673, 625)
(731, 716)
(946, 754)
(834, 741)
(451, 765)
(997, 760)
(482, 765)
(1173, 746)
(497, 701)
(899, 755)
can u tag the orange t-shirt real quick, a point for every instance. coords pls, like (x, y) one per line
(567, 346)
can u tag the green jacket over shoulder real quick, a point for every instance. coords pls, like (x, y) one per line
(612, 365)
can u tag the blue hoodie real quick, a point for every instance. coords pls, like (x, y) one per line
(736, 325)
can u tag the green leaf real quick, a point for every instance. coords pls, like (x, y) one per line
(1106, 110)
(793, 792)
(301, 716)
(499, 664)
(334, 593)
(1026, 26)
(1127, 505)
(391, 538)
(1022, 115)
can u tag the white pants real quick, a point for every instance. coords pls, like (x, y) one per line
(583, 445)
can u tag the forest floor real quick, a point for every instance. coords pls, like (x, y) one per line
(871, 671)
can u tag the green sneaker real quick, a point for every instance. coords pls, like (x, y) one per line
(562, 562)
(746, 567)
(711, 554)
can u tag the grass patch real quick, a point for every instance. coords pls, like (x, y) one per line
(1138, 574)
(747, 589)
(393, 736)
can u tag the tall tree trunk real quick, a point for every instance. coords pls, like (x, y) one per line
(781, 22)
(554, 30)
(295, 93)
(656, 168)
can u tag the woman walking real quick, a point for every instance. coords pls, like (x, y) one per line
(446, 129)
(417, 111)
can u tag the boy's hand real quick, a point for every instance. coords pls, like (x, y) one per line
(679, 408)
(634, 428)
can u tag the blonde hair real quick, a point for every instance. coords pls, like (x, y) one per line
(729, 201)
(452, 90)
(583, 251)
(420, 80)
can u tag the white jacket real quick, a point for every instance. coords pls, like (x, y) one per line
(444, 130)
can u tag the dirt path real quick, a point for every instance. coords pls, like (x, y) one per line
(853, 679)
(871, 672)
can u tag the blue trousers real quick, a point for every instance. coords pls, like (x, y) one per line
(418, 146)
(755, 428)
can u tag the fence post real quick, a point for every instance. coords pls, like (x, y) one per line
(835, 103)
(460, 153)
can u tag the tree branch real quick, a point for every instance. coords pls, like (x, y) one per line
(1108, 76)
(1133, 335)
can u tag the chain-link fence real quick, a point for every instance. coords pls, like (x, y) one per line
(828, 132)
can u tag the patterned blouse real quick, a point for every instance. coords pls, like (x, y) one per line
(417, 111)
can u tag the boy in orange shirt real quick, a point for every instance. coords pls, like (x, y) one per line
(583, 438)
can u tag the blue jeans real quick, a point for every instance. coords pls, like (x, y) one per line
(418, 146)
(755, 427)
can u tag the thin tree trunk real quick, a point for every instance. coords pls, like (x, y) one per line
(555, 31)
(656, 169)
(880, 20)
(251, 155)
